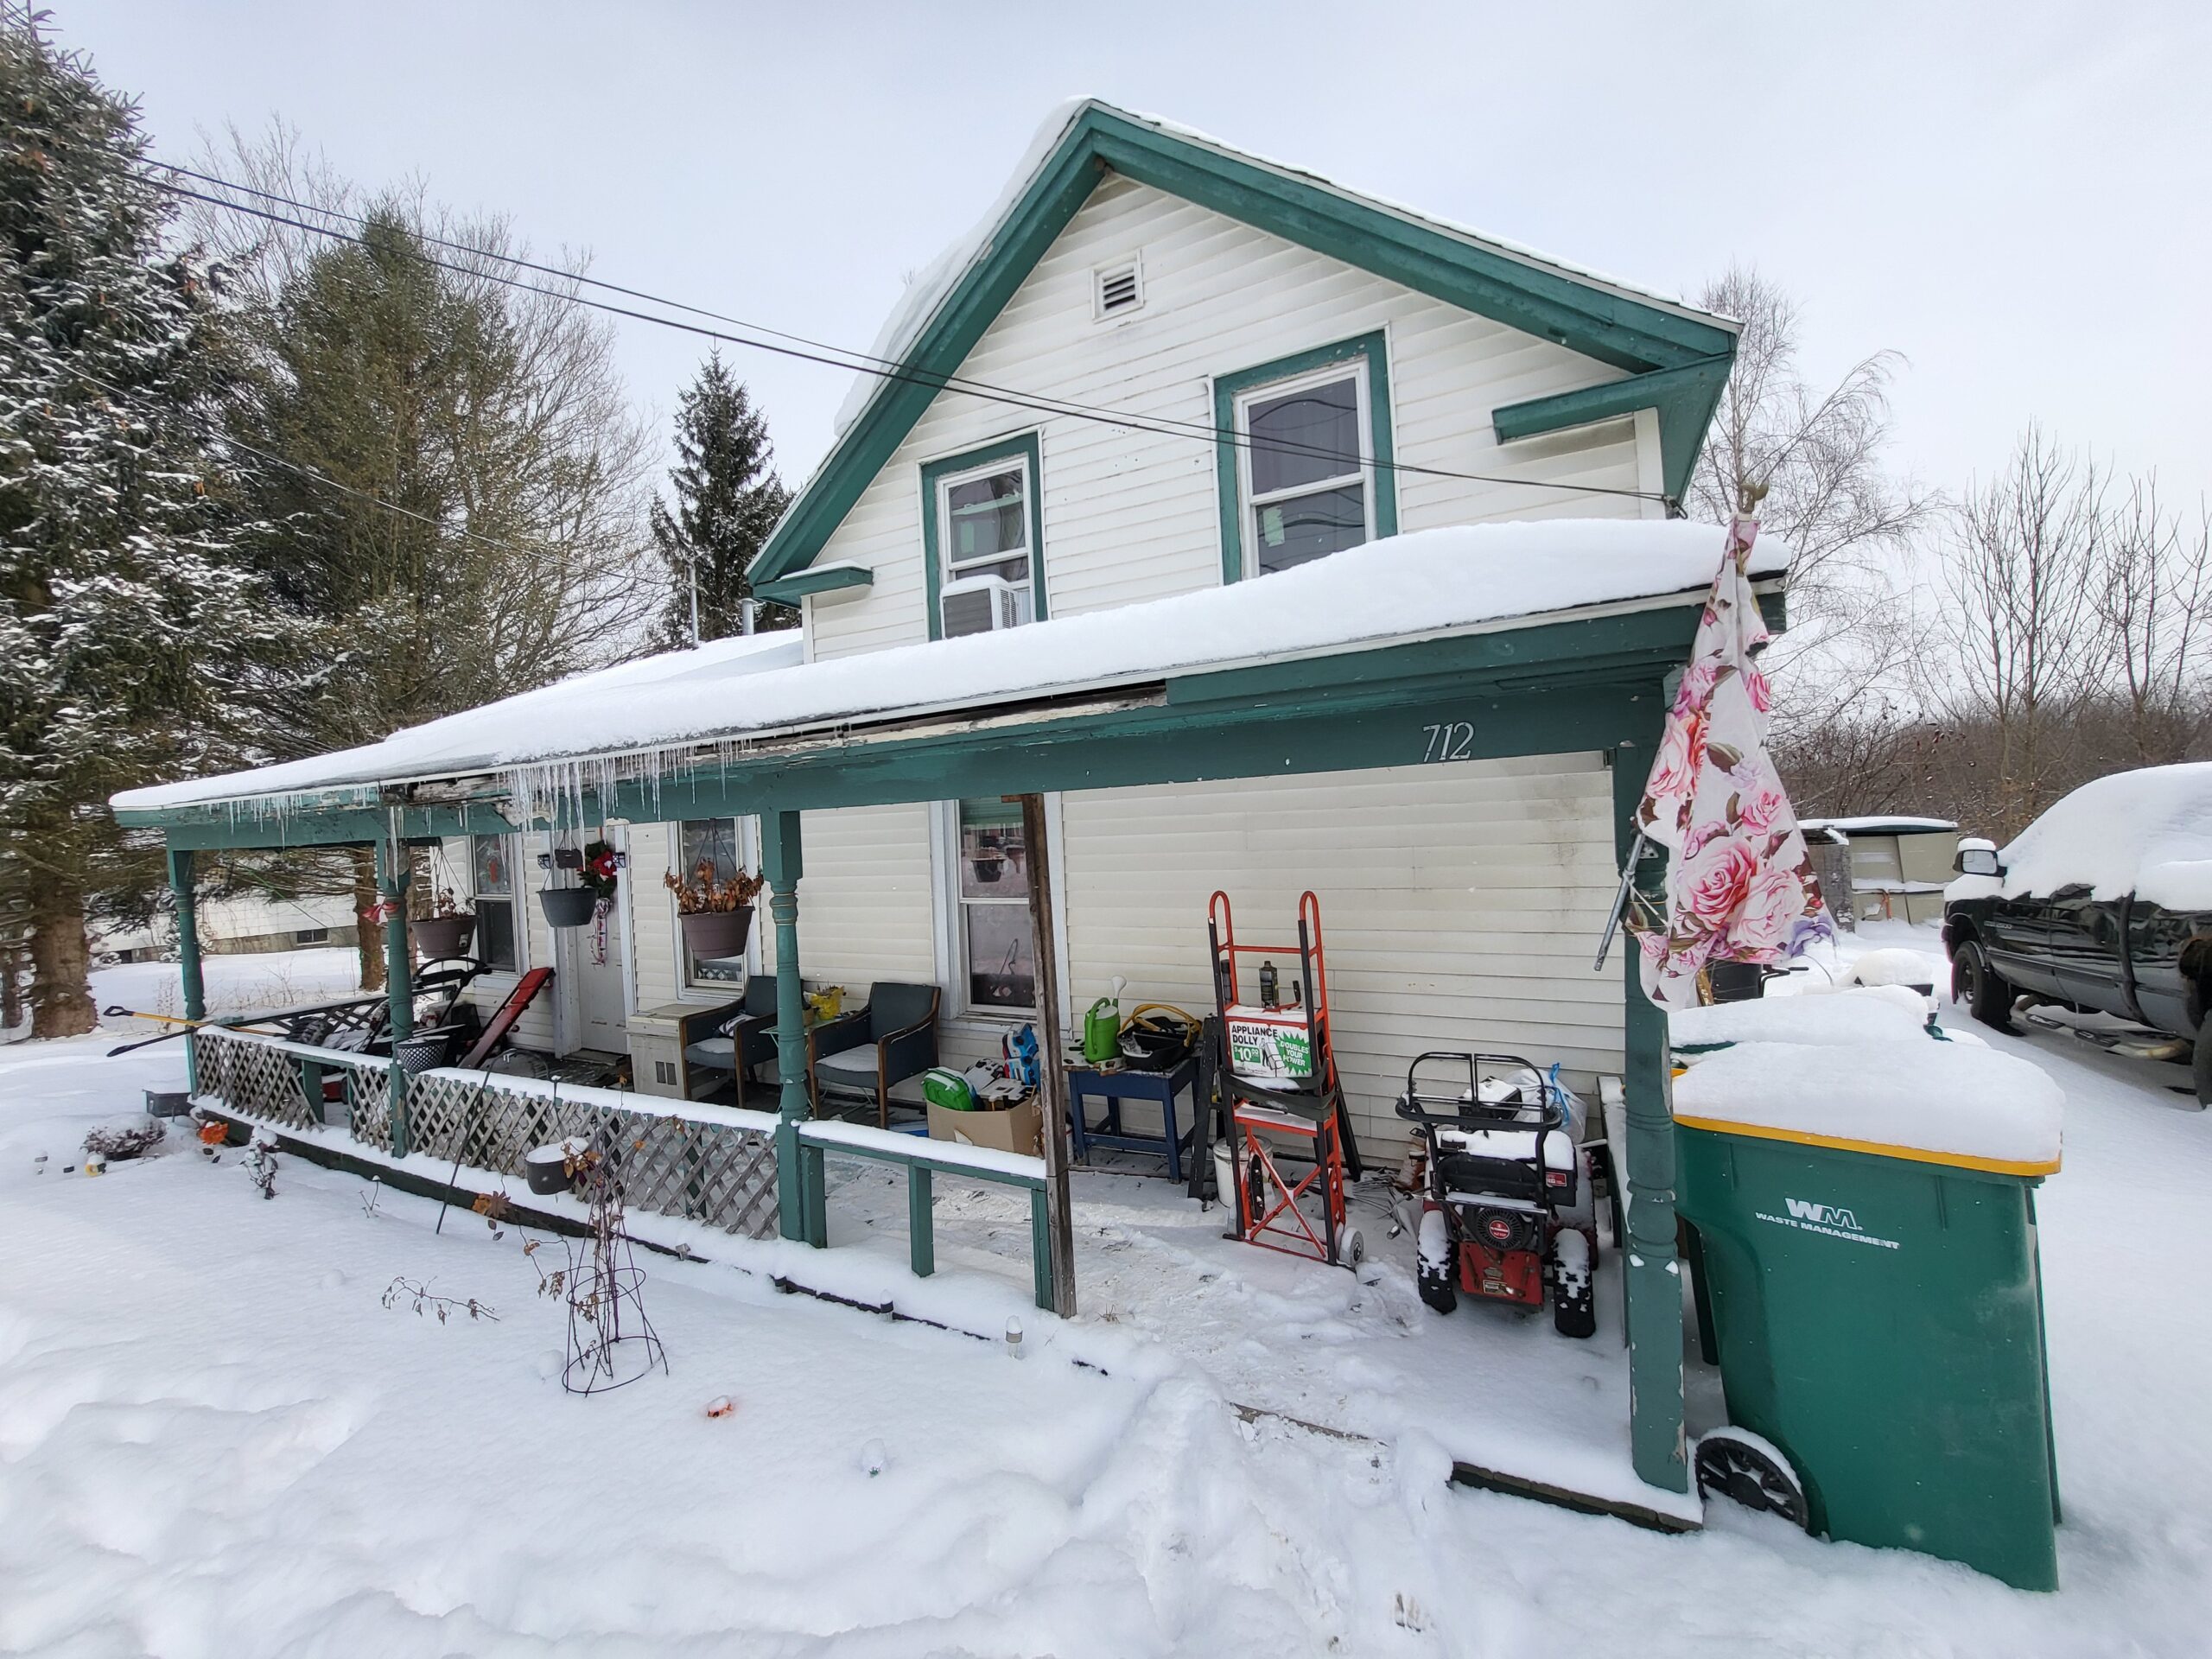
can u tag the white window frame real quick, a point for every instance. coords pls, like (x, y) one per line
(994, 1020)
(748, 857)
(516, 897)
(949, 572)
(1248, 503)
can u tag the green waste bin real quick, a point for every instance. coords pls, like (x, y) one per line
(1876, 1314)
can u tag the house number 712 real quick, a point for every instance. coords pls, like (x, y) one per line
(1454, 740)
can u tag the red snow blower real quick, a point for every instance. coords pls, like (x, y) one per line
(1507, 1213)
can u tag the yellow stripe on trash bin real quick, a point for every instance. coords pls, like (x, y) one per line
(1878, 1148)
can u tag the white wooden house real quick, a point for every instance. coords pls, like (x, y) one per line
(1457, 904)
(1281, 538)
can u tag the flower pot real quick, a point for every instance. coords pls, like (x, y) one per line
(718, 935)
(425, 1051)
(567, 907)
(443, 936)
(546, 1168)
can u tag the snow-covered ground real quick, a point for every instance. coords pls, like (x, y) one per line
(214, 1439)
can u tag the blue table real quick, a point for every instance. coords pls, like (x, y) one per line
(1115, 1087)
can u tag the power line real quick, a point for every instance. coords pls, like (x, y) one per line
(215, 430)
(844, 357)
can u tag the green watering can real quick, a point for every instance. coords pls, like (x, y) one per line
(1101, 1027)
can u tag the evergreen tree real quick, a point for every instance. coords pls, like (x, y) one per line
(728, 499)
(120, 609)
(462, 517)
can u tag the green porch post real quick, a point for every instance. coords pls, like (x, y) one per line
(1652, 1275)
(398, 970)
(188, 958)
(782, 862)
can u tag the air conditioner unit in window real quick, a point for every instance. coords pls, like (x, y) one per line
(982, 604)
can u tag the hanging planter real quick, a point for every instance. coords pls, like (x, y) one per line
(717, 935)
(444, 935)
(567, 907)
(715, 912)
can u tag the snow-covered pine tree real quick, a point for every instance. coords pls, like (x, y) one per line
(728, 499)
(118, 604)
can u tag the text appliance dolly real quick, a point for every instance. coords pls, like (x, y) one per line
(1285, 1101)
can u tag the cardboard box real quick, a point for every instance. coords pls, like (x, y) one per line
(1016, 1129)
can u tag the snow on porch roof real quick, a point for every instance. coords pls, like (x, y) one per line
(1463, 578)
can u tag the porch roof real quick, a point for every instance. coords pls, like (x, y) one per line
(654, 717)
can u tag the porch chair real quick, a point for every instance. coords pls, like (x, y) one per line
(868, 1050)
(744, 1039)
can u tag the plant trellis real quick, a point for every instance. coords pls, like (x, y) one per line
(1740, 885)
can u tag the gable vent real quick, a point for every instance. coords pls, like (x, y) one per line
(1120, 289)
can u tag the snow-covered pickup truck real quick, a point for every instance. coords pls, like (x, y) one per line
(2103, 905)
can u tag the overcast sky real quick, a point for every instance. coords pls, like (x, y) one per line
(2014, 196)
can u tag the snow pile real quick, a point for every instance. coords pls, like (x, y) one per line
(1890, 965)
(1947, 1099)
(1458, 578)
(1841, 1018)
(2147, 832)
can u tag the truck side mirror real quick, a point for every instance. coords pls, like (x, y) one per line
(1977, 858)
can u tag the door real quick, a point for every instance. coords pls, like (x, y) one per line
(601, 1006)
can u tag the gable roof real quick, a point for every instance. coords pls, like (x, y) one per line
(1676, 357)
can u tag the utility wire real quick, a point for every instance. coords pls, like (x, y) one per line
(857, 361)
(886, 369)
(215, 430)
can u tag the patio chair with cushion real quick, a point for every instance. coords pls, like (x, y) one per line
(869, 1051)
(742, 1037)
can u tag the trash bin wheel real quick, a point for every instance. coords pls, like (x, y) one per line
(1733, 1463)
(1987, 995)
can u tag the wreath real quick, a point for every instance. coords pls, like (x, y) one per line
(601, 863)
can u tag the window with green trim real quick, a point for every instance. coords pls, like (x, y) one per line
(984, 532)
(1306, 466)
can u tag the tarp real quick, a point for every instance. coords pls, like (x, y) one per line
(1740, 885)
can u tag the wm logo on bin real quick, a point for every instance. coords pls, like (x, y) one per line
(1822, 1215)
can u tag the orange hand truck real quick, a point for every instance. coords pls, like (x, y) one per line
(1280, 1085)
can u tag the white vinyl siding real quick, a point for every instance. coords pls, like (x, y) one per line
(866, 909)
(1136, 515)
(1460, 907)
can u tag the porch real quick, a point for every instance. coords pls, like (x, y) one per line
(1486, 644)
(1294, 1346)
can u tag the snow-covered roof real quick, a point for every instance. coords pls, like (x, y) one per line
(1880, 824)
(928, 288)
(1459, 579)
(2147, 832)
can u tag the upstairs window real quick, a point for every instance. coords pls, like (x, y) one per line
(1306, 440)
(1306, 477)
(982, 526)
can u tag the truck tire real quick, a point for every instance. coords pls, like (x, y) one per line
(2204, 1062)
(1986, 994)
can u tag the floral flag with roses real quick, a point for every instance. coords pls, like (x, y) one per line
(1739, 881)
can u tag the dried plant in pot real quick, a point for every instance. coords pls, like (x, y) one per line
(446, 931)
(715, 912)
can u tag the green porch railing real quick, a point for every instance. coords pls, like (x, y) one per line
(923, 1160)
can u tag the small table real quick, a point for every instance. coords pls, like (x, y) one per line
(1115, 1087)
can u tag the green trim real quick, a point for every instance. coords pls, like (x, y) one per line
(789, 590)
(1371, 349)
(1684, 397)
(1578, 312)
(1023, 445)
